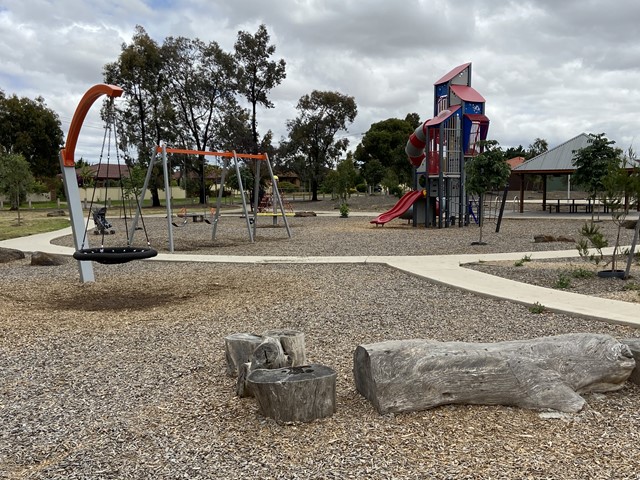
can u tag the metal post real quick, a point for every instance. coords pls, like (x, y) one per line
(216, 217)
(244, 200)
(167, 195)
(256, 196)
(78, 227)
(277, 194)
(441, 175)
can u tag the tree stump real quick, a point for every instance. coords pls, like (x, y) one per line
(292, 342)
(295, 394)
(238, 350)
(548, 372)
(269, 354)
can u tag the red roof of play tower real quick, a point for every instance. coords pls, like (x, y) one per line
(468, 94)
(452, 73)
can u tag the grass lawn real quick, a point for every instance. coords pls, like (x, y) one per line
(32, 221)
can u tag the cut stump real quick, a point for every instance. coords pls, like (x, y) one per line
(548, 372)
(292, 342)
(238, 350)
(295, 394)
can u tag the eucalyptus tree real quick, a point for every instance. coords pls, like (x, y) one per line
(201, 85)
(385, 142)
(257, 75)
(312, 134)
(145, 115)
(30, 128)
(16, 179)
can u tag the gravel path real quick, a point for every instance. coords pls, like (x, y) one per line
(125, 377)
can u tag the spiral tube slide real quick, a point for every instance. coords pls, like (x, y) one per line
(416, 145)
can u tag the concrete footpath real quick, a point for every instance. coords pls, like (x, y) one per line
(443, 269)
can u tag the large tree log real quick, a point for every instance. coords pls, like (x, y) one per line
(295, 394)
(548, 372)
(292, 342)
(238, 350)
(634, 346)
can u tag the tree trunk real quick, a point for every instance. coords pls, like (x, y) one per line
(292, 342)
(239, 348)
(246, 352)
(269, 354)
(155, 197)
(548, 372)
(295, 394)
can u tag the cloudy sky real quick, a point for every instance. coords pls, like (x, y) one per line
(548, 69)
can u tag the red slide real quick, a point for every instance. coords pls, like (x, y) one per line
(399, 208)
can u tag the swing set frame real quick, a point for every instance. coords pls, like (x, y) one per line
(228, 157)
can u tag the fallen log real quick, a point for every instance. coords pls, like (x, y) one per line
(541, 373)
(295, 394)
(634, 346)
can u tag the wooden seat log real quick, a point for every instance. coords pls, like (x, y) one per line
(238, 350)
(267, 355)
(292, 342)
(540, 373)
(295, 394)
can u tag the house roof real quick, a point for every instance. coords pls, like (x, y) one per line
(515, 161)
(557, 160)
(109, 171)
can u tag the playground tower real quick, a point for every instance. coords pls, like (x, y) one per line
(440, 147)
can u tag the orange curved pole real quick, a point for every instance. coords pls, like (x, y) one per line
(80, 114)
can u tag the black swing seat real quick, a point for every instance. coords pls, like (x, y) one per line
(114, 255)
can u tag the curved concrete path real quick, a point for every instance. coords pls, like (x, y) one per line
(444, 269)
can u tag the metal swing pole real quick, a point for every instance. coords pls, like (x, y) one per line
(216, 217)
(276, 193)
(167, 190)
(244, 200)
(72, 192)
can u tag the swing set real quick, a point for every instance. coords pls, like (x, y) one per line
(230, 159)
(84, 253)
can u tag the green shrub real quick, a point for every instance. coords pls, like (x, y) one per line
(521, 262)
(581, 273)
(361, 187)
(537, 308)
(562, 282)
(287, 187)
(344, 210)
(592, 237)
(396, 191)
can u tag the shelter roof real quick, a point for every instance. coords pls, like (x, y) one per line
(557, 160)
(452, 73)
(468, 94)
